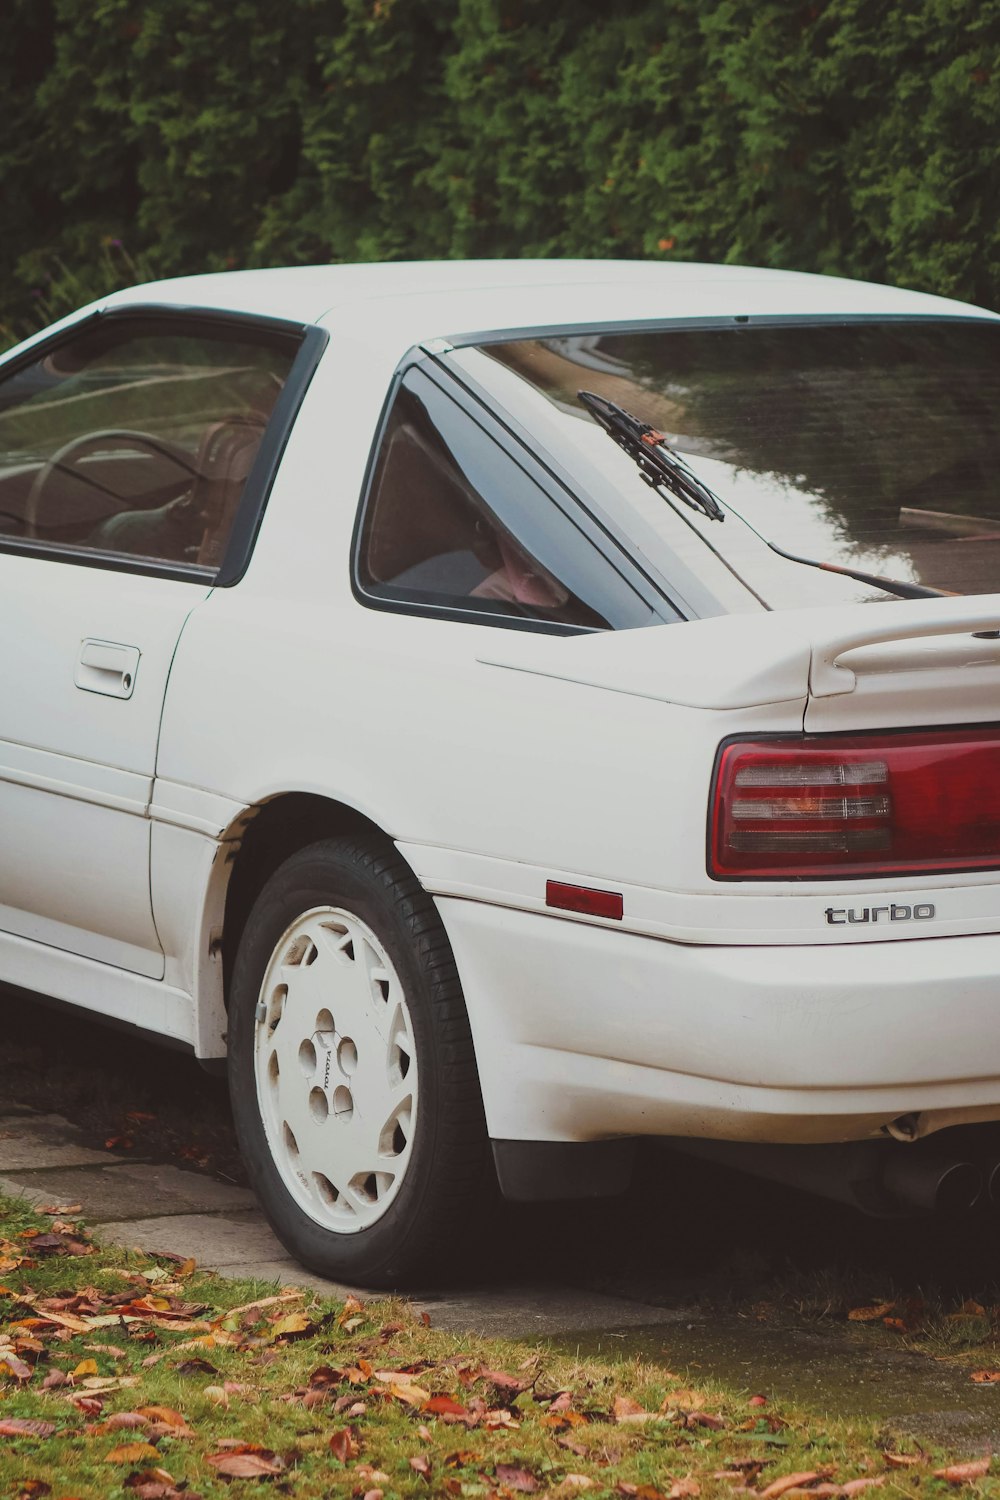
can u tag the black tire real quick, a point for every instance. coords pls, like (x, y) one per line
(448, 1165)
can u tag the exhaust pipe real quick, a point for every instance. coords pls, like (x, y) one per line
(932, 1184)
(881, 1178)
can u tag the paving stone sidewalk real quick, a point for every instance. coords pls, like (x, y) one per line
(155, 1206)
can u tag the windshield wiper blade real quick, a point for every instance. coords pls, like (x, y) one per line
(660, 465)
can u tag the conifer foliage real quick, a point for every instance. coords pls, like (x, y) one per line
(157, 137)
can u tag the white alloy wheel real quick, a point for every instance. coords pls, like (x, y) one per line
(335, 1068)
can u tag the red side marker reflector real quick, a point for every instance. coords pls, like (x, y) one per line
(584, 899)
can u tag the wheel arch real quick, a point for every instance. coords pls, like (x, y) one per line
(262, 838)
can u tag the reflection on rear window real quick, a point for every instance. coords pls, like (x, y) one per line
(870, 444)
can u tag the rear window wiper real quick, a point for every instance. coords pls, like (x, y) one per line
(662, 467)
(659, 464)
(889, 585)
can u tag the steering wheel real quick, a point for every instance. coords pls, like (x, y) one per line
(63, 461)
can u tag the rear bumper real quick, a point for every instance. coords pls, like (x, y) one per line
(585, 1033)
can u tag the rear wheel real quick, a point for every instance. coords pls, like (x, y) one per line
(352, 1071)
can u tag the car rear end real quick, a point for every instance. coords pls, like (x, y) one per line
(808, 945)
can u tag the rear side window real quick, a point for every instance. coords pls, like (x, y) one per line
(453, 523)
(137, 437)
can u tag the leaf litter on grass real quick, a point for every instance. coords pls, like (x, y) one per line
(121, 1371)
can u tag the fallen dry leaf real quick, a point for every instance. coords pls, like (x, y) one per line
(855, 1486)
(504, 1382)
(682, 1489)
(247, 1462)
(749, 1466)
(74, 1324)
(291, 1324)
(986, 1377)
(964, 1473)
(289, 1294)
(757, 1401)
(870, 1314)
(903, 1460)
(152, 1484)
(347, 1405)
(788, 1482)
(441, 1406)
(153, 1489)
(91, 1406)
(516, 1478)
(705, 1419)
(164, 1414)
(969, 1309)
(421, 1465)
(118, 1421)
(413, 1395)
(131, 1453)
(26, 1427)
(344, 1445)
(501, 1417)
(625, 1409)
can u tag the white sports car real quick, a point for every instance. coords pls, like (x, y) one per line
(509, 710)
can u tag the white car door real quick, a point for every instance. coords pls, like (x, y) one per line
(125, 450)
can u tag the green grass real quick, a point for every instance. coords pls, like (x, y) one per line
(302, 1383)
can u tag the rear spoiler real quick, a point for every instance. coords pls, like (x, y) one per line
(746, 661)
(975, 616)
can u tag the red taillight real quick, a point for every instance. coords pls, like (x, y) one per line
(859, 804)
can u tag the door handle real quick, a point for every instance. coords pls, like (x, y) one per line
(106, 667)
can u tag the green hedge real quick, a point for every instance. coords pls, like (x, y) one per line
(156, 137)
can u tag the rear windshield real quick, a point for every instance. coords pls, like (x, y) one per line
(874, 445)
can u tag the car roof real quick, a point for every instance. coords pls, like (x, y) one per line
(431, 299)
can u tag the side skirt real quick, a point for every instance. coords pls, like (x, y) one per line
(114, 994)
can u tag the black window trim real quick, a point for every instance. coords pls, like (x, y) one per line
(661, 324)
(312, 341)
(486, 418)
